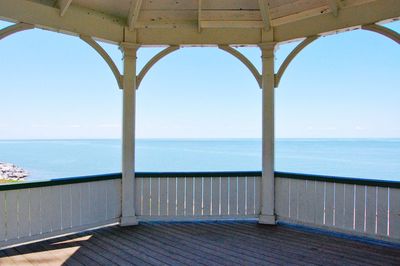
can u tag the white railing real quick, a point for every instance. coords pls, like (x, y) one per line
(30, 211)
(361, 207)
(193, 196)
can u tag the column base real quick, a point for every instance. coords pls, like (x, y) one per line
(267, 219)
(128, 221)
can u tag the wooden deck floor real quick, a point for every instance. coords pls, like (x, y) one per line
(202, 243)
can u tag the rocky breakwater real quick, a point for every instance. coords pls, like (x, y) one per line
(9, 171)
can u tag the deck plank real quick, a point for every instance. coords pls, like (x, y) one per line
(201, 243)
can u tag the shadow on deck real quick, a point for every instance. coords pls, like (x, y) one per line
(201, 243)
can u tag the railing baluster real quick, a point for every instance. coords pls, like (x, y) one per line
(360, 208)
(394, 213)
(382, 211)
(207, 196)
(370, 218)
(181, 197)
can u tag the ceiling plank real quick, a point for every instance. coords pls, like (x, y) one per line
(199, 17)
(133, 15)
(264, 10)
(104, 27)
(63, 5)
(334, 7)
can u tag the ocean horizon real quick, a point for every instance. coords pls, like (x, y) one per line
(368, 158)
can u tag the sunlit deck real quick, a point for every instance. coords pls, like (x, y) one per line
(201, 243)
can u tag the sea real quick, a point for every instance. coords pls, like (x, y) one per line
(356, 158)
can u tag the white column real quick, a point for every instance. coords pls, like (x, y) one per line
(267, 215)
(128, 134)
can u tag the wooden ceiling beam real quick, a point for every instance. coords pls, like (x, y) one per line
(133, 15)
(334, 7)
(199, 16)
(83, 21)
(63, 5)
(265, 14)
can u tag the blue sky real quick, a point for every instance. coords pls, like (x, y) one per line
(55, 86)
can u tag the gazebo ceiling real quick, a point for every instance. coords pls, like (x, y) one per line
(199, 22)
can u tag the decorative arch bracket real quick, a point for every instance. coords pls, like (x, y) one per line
(14, 29)
(153, 61)
(244, 60)
(89, 40)
(391, 34)
(291, 56)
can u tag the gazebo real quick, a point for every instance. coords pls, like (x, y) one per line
(38, 210)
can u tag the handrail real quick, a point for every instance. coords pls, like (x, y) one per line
(343, 180)
(60, 181)
(198, 174)
(103, 177)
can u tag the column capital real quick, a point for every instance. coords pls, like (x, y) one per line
(267, 49)
(129, 49)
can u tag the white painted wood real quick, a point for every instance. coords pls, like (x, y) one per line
(117, 196)
(302, 204)
(382, 211)
(171, 196)
(370, 218)
(207, 196)
(128, 132)
(264, 10)
(153, 61)
(291, 56)
(233, 193)
(250, 195)
(23, 213)
(76, 205)
(268, 134)
(319, 202)
(310, 202)
(215, 208)
(134, 12)
(66, 207)
(180, 197)
(63, 5)
(385, 31)
(349, 210)
(12, 214)
(282, 197)
(329, 203)
(289, 23)
(257, 202)
(55, 233)
(154, 196)
(35, 211)
(2, 215)
(7, 31)
(189, 196)
(244, 60)
(55, 209)
(198, 196)
(224, 196)
(46, 206)
(394, 213)
(146, 196)
(334, 7)
(85, 203)
(339, 205)
(30, 214)
(96, 196)
(293, 198)
(242, 195)
(163, 196)
(360, 208)
(138, 196)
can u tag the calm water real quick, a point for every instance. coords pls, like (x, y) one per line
(377, 159)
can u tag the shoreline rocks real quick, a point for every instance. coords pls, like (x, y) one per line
(9, 171)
